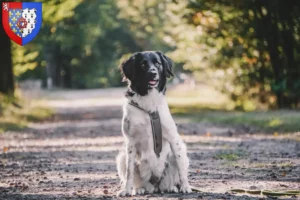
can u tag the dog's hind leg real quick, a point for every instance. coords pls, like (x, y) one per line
(170, 178)
(121, 166)
(140, 186)
(128, 176)
(141, 181)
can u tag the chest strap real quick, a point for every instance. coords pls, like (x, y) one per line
(156, 128)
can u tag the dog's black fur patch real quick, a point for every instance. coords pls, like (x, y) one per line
(135, 69)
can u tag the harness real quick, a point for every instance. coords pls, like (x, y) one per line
(156, 128)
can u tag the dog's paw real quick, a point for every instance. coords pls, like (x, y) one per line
(149, 188)
(174, 189)
(124, 192)
(185, 188)
(140, 190)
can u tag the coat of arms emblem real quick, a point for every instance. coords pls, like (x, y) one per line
(22, 20)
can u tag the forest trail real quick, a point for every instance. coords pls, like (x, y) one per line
(72, 156)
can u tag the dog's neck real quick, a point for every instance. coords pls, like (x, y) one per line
(149, 102)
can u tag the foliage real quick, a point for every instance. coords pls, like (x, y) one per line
(82, 50)
(16, 113)
(246, 49)
(253, 45)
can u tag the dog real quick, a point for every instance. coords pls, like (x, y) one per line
(140, 169)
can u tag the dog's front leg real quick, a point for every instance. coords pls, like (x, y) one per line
(177, 146)
(179, 151)
(127, 187)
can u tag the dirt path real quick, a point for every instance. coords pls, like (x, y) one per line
(72, 156)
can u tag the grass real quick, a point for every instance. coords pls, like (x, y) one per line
(281, 120)
(206, 105)
(230, 155)
(263, 165)
(270, 165)
(16, 113)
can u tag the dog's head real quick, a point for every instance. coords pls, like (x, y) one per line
(147, 70)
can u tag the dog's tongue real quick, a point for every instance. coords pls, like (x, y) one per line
(152, 82)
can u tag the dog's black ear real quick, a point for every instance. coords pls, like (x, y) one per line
(166, 63)
(127, 68)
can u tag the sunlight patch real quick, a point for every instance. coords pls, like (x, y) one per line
(275, 123)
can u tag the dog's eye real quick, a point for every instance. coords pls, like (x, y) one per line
(143, 66)
(157, 64)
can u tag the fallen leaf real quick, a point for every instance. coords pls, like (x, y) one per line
(208, 134)
(5, 149)
(283, 174)
(275, 134)
(105, 191)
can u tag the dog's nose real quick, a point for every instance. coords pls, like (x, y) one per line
(153, 74)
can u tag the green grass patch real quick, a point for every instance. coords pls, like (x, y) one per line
(205, 104)
(280, 120)
(263, 165)
(16, 113)
(230, 155)
(195, 144)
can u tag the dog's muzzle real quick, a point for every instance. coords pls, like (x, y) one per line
(153, 78)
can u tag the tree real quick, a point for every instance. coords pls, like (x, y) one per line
(256, 47)
(78, 49)
(277, 24)
(6, 75)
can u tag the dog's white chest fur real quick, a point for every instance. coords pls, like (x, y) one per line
(141, 130)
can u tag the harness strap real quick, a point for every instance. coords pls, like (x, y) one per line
(156, 128)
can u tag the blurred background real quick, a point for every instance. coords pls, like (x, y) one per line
(229, 56)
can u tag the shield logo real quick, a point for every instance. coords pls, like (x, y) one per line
(22, 20)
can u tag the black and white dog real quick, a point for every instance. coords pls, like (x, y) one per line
(139, 167)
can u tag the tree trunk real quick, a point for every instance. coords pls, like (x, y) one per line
(6, 75)
(50, 66)
(267, 30)
(53, 68)
(288, 44)
(67, 77)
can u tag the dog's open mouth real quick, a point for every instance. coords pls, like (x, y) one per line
(153, 82)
